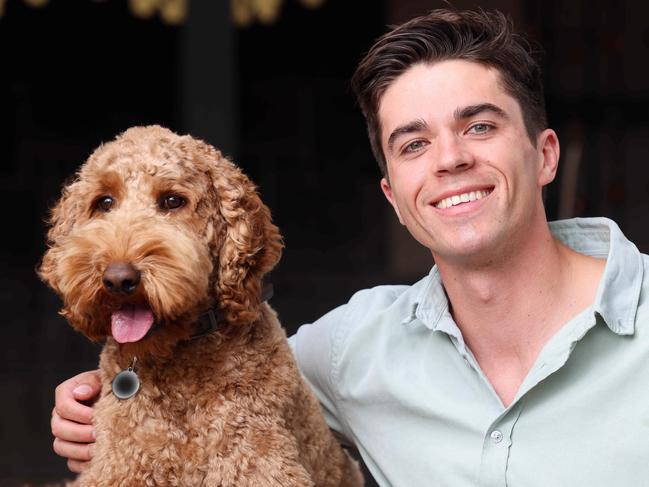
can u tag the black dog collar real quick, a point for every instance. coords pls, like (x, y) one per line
(212, 319)
(127, 383)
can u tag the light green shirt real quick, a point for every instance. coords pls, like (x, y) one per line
(395, 379)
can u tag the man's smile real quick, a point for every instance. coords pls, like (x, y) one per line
(461, 196)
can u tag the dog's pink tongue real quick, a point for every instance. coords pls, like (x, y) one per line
(131, 323)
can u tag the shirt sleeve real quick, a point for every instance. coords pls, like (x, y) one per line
(312, 347)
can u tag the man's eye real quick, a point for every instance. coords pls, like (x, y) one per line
(104, 203)
(480, 128)
(171, 202)
(415, 146)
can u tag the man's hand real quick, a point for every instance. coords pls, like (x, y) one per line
(74, 434)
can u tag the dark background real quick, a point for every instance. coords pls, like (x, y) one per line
(276, 98)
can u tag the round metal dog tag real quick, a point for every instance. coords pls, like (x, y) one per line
(126, 384)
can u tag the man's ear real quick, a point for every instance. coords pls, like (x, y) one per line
(548, 152)
(387, 191)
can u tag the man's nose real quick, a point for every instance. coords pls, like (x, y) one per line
(452, 155)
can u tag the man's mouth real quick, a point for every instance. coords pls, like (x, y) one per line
(131, 322)
(458, 199)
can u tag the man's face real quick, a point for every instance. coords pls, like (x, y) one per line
(464, 176)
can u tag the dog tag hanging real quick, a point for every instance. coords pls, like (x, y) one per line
(126, 383)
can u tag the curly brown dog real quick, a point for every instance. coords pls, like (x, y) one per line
(159, 247)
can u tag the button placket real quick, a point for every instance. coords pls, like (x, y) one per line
(495, 450)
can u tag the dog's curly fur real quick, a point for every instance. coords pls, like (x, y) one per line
(225, 409)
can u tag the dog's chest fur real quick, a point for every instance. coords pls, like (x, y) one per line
(216, 398)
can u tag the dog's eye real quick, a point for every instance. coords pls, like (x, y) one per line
(171, 202)
(105, 203)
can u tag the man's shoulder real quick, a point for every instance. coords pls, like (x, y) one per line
(390, 303)
(380, 297)
(367, 303)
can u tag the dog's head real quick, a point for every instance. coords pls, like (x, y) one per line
(154, 229)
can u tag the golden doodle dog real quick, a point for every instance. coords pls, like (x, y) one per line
(159, 247)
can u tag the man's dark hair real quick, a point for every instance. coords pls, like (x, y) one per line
(484, 37)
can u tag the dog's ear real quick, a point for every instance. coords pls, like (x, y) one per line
(247, 245)
(65, 213)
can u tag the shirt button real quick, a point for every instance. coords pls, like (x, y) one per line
(496, 436)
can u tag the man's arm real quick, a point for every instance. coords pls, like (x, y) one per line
(312, 347)
(71, 423)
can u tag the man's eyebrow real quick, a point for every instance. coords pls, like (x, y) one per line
(473, 110)
(414, 126)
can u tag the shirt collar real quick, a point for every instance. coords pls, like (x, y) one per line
(617, 296)
(618, 293)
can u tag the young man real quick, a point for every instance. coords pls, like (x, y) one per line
(522, 359)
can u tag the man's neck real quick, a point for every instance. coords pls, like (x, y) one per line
(509, 309)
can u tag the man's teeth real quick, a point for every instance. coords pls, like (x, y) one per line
(461, 198)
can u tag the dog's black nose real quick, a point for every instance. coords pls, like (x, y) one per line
(121, 278)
